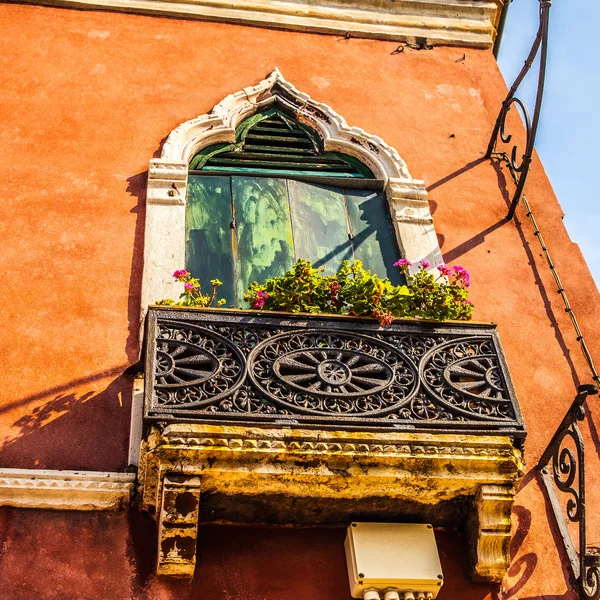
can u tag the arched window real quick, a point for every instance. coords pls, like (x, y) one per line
(270, 176)
(273, 196)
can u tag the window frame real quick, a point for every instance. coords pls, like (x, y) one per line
(164, 246)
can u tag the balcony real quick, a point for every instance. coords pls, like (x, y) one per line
(283, 418)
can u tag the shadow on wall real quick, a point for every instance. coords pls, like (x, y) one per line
(451, 255)
(137, 188)
(536, 273)
(522, 569)
(85, 431)
(89, 429)
(275, 563)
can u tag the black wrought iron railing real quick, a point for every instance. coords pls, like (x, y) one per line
(254, 368)
(562, 468)
(520, 165)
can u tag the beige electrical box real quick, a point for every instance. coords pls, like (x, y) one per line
(399, 556)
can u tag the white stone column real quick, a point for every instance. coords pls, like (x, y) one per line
(164, 242)
(413, 222)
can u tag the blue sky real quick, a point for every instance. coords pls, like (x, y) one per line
(570, 124)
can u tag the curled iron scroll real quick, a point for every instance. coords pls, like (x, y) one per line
(568, 476)
(565, 465)
(518, 167)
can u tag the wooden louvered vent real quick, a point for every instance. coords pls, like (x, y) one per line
(273, 143)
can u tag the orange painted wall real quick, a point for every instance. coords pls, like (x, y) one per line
(67, 556)
(87, 99)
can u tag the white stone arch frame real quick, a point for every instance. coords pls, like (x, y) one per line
(167, 178)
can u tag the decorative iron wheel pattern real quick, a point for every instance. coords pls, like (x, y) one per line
(194, 366)
(230, 367)
(315, 372)
(465, 374)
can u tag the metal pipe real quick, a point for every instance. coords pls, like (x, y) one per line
(500, 28)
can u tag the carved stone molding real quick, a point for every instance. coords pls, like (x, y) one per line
(449, 22)
(489, 532)
(65, 490)
(219, 126)
(167, 182)
(167, 177)
(318, 476)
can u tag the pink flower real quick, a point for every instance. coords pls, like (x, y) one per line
(425, 264)
(403, 263)
(385, 318)
(445, 271)
(259, 301)
(189, 286)
(180, 274)
(462, 275)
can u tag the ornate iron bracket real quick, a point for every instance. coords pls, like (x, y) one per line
(521, 169)
(568, 476)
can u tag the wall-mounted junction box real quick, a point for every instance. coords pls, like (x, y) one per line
(398, 556)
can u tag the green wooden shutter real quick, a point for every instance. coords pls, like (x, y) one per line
(273, 143)
(209, 237)
(242, 229)
(331, 224)
(319, 224)
(373, 237)
(264, 244)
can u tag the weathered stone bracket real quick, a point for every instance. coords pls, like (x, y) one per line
(489, 531)
(178, 525)
(311, 476)
(413, 222)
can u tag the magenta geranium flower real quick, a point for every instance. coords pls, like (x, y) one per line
(259, 300)
(180, 274)
(189, 286)
(403, 263)
(462, 275)
(445, 271)
(425, 264)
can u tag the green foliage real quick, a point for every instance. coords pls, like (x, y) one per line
(192, 292)
(352, 291)
(356, 291)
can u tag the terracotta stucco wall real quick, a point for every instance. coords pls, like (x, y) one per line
(67, 556)
(87, 99)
